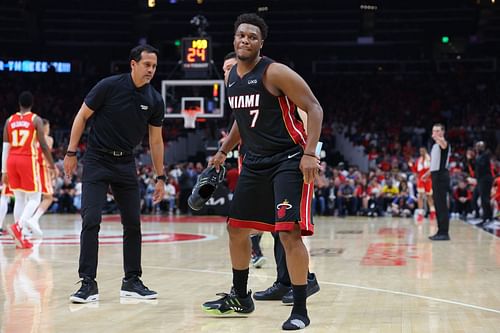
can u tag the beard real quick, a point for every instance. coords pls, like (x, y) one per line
(243, 58)
(246, 56)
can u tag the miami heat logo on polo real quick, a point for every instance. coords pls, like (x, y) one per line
(282, 207)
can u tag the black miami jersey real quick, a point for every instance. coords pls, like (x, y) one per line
(267, 124)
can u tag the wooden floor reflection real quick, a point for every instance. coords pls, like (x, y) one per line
(376, 275)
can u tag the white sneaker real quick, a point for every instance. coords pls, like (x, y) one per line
(492, 225)
(34, 226)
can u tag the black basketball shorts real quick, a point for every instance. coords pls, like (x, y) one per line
(271, 194)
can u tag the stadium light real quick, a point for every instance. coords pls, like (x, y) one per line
(445, 39)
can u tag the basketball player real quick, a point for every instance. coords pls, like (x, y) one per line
(281, 288)
(424, 186)
(440, 160)
(21, 133)
(275, 187)
(46, 182)
(258, 259)
(123, 108)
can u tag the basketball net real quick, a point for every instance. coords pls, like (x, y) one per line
(190, 118)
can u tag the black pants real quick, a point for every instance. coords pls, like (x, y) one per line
(484, 185)
(280, 258)
(475, 197)
(440, 189)
(101, 171)
(462, 207)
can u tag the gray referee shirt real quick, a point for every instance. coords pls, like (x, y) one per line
(440, 158)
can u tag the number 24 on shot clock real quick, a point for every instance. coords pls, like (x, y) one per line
(196, 52)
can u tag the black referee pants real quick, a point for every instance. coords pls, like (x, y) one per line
(101, 171)
(440, 189)
(280, 258)
(484, 185)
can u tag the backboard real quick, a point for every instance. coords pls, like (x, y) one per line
(189, 98)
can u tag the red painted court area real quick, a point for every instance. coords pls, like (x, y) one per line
(389, 253)
(147, 238)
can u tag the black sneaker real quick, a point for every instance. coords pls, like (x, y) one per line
(134, 288)
(440, 237)
(230, 304)
(87, 293)
(205, 186)
(274, 293)
(312, 288)
(258, 261)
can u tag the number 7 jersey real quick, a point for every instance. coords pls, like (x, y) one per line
(22, 134)
(268, 124)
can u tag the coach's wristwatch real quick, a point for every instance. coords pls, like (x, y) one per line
(162, 177)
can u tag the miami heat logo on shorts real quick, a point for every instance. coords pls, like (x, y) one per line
(282, 207)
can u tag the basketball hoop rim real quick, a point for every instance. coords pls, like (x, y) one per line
(190, 116)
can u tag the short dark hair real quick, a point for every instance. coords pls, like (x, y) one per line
(253, 19)
(26, 99)
(135, 53)
(230, 55)
(439, 125)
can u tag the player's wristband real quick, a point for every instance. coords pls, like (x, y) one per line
(162, 178)
(70, 153)
(312, 155)
(223, 152)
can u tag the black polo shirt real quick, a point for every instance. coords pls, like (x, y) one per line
(122, 113)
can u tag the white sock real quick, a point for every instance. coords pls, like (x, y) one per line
(32, 202)
(39, 212)
(4, 206)
(20, 202)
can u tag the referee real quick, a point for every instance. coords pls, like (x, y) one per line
(121, 108)
(440, 159)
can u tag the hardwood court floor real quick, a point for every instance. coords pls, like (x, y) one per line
(376, 275)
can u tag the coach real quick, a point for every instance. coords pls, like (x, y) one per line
(121, 108)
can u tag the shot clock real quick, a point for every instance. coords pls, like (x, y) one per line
(196, 53)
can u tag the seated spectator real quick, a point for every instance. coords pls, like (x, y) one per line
(388, 193)
(321, 191)
(170, 195)
(65, 197)
(346, 200)
(361, 195)
(373, 191)
(403, 205)
(462, 199)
